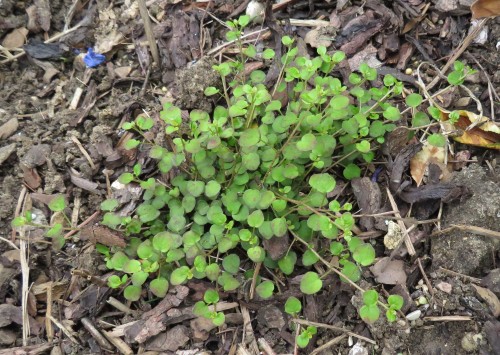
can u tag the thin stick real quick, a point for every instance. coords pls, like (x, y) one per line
(25, 270)
(454, 273)
(99, 338)
(470, 229)
(329, 344)
(424, 275)
(254, 279)
(84, 152)
(332, 327)
(448, 319)
(149, 32)
(48, 324)
(265, 347)
(248, 329)
(64, 329)
(9, 242)
(83, 224)
(118, 343)
(408, 243)
(120, 306)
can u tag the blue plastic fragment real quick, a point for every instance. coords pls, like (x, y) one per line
(93, 59)
(376, 174)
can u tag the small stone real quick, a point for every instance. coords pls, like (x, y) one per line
(445, 287)
(7, 337)
(6, 151)
(469, 343)
(414, 315)
(422, 300)
(358, 349)
(492, 281)
(255, 10)
(36, 156)
(409, 71)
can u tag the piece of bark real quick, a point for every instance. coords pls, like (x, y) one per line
(443, 192)
(8, 128)
(401, 163)
(369, 200)
(276, 247)
(152, 322)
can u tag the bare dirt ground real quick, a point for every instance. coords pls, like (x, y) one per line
(60, 133)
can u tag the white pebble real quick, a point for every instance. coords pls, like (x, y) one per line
(414, 315)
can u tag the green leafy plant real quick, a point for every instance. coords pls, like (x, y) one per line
(370, 312)
(259, 166)
(305, 336)
(202, 308)
(55, 231)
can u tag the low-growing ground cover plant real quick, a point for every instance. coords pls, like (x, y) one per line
(262, 165)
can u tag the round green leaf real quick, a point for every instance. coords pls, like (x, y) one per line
(339, 102)
(251, 198)
(307, 142)
(212, 271)
(195, 188)
(351, 271)
(310, 283)
(255, 219)
(370, 297)
(180, 275)
(132, 293)
(279, 226)
(322, 182)
(363, 146)
(369, 313)
(364, 254)
(159, 287)
(257, 254)
(211, 296)
(212, 189)
(132, 266)
(352, 171)
(228, 282)
(413, 100)
(109, 204)
(139, 278)
(231, 263)
(395, 302)
(392, 113)
(57, 204)
(293, 305)
(265, 289)
(309, 258)
(287, 263)
(249, 137)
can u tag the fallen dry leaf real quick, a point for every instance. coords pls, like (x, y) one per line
(103, 235)
(420, 162)
(484, 132)
(485, 8)
(317, 37)
(389, 272)
(490, 298)
(15, 39)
